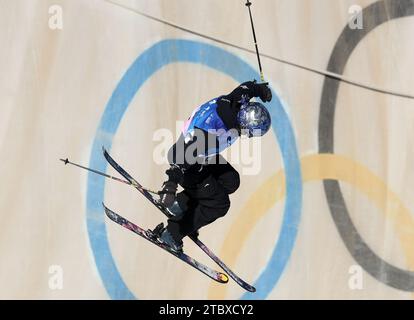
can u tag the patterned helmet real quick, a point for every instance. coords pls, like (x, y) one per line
(254, 119)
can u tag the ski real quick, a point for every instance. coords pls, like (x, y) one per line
(215, 275)
(197, 241)
(226, 269)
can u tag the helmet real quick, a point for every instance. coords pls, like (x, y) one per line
(254, 118)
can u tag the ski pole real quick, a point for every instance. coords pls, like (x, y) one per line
(248, 4)
(66, 161)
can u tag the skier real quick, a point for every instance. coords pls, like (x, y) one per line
(195, 164)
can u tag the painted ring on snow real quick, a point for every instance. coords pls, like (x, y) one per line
(316, 167)
(153, 59)
(374, 15)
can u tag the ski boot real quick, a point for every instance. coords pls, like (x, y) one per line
(168, 239)
(162, 235)
(175, 211)
(156, 233)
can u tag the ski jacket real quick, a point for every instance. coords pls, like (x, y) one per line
(211, 128)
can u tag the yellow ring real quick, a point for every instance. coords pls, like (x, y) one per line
(317, 167)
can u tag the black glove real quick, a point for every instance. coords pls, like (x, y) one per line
(169, 188)
(265, 94)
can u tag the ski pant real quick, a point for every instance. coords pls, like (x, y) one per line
(205, 197)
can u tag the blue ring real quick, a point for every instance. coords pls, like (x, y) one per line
(150, 61)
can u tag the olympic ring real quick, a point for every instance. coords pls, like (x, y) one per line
(314, 168)
(374, 15)
(153, 59)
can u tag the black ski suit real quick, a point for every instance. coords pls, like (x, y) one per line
(207, 184)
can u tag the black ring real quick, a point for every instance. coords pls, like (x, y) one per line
(374, 15)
